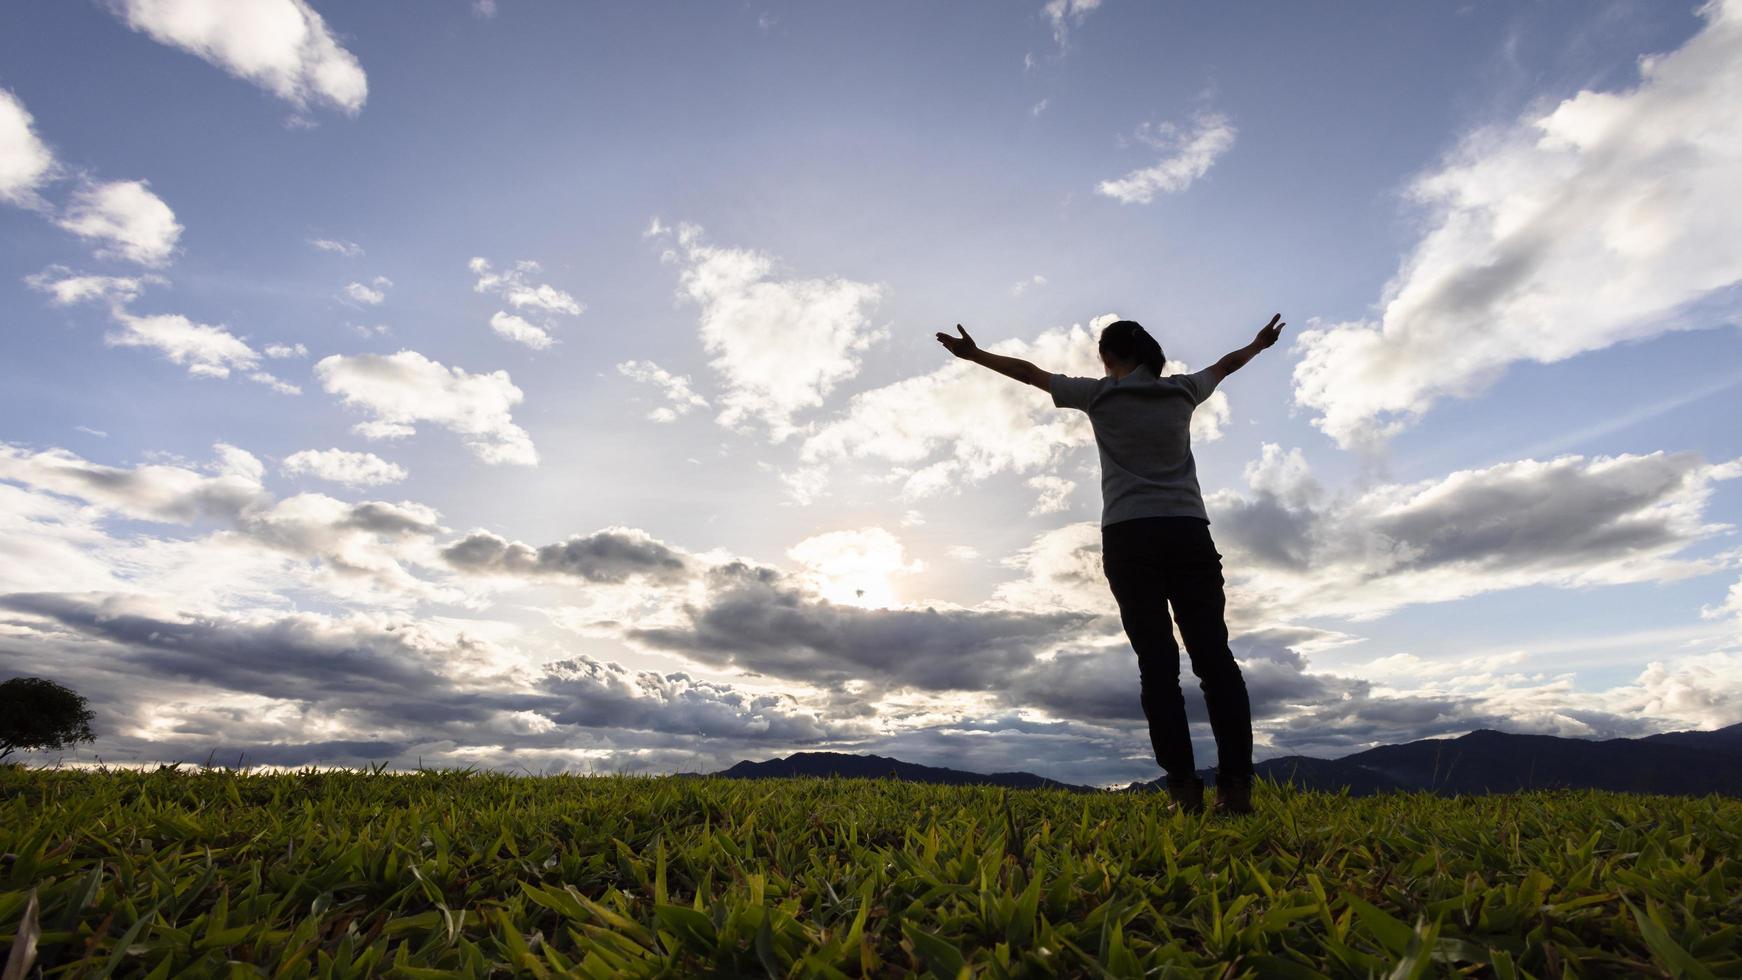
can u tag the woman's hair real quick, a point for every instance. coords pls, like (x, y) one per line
(1126, 340)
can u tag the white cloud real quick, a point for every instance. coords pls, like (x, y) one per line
(1061, 572)
(208, 351)
(283, 46)
(806, 483)
(1188, 155)
(339, 466)
(520, 330)
(280, 351)
(349, 250)
(1023, 285)
(26, 162)
(1039, 107)
(963, 424)
(132, 222)
(1700, 691)
(373, 293)
(228, 487)
(403, 389)
(1066, 14)
(1055, 494)
(484, 8)
(1604, 219)
(680, 397)
(66, 287)
(1733, 601)
(514, 286)
(274, 382)
(780, 345)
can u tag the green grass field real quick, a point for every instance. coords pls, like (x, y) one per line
(208, 873)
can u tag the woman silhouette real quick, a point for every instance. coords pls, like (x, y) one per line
(1156, 548)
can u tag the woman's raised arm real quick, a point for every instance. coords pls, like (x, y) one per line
(1011, 367)
(1235, 360)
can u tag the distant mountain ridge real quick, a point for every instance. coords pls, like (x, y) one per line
(1483, 761)
(878, 766)
(1488, 761)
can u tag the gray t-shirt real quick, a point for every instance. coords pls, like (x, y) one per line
(1143, 429)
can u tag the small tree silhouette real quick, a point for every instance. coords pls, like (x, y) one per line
(37, 713)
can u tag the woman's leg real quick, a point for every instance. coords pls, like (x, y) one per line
(1133, 568)
(1194, 586)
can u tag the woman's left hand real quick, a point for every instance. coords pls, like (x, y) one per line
(962, 346)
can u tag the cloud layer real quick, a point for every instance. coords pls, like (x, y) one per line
(165, 631)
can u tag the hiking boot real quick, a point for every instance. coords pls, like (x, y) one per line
(1233, 795)
(1188, 796)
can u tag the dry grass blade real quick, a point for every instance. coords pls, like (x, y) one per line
(23, 954)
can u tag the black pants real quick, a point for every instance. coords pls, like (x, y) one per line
(1151, 562)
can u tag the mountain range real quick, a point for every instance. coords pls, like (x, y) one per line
(1483, 761)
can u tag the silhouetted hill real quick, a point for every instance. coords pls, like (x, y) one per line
(1485, 761)
(1490, 761)
(1723, 738)
(877, 766)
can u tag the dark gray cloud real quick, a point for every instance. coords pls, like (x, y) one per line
(611, 556)
(1567, 521)
(758, 618)
(381, 670)
(1530, 513)
(380, 517)
(1266, 530)
(386, 686)
(1523, 514)
(597, 694)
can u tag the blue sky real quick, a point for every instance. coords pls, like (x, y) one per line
(554, 384)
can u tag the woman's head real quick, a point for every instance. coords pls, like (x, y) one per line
(1126, 343)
